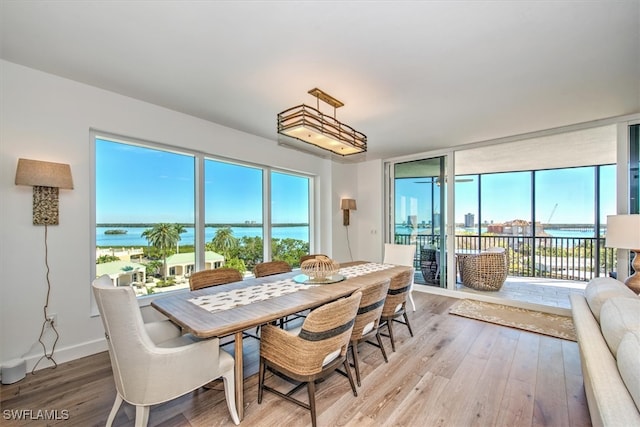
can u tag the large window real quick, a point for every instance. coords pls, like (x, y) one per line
(552, 221)
(148, 198)
(289, 217)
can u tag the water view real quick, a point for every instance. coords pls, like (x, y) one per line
(133, 235)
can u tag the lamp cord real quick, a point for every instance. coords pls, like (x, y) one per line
(48, 356)
(348, 243)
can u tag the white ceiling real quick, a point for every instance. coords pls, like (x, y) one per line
(414, 75)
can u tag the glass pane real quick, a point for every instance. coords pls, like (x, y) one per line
(289, 217)
(467, 207)
(144, 216)
(506, 201)
(565, 202)
(419, 213)
(607, 195)
(233, 215)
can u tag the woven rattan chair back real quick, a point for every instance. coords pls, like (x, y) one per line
(397, 294)
(318, 349)
(371, 304)
(303, 258)
(217, 276)
(395, 303)
(368, 320)
(269, 268)
(486, 271)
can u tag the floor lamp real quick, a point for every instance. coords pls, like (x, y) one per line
(623, 232)
(46, 178)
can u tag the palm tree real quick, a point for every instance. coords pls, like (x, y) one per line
(179, 229)
(162, 236)
(224, 242)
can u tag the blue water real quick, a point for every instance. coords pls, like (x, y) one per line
(133, 236)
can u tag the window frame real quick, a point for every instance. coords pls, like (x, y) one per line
(199, 206)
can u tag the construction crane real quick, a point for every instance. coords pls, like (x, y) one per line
(552, 212)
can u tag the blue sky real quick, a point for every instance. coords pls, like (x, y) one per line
(136, 185)
(142, 185)
(563, 195)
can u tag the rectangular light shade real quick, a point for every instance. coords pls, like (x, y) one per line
(311, 126)
(623, 231)
(349, 204)
(44, 174)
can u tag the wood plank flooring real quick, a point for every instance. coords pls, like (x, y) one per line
(453, 372)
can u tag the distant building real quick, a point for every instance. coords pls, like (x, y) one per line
(469, 220)
(412, 221)
(184, 264)
(122, 273)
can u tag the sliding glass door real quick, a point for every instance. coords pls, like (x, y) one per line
(418, 200)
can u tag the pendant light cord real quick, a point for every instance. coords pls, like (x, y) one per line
(47, 322)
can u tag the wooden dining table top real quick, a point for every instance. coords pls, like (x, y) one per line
(205, 324)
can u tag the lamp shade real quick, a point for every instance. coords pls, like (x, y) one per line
(44, 174)
(349, 204)
(623, 231)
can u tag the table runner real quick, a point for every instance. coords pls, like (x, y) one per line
(238, 297)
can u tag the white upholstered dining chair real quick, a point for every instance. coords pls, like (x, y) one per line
(401, 255)
(153, 363)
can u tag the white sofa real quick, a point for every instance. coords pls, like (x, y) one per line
(607, 322)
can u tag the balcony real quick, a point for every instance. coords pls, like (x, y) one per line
(542, 270)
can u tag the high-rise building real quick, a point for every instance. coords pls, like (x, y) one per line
(469, 220)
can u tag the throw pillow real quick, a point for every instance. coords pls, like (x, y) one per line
(617, 317)
(628, 365)
(600, 289)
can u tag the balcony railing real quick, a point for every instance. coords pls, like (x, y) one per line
(567, 258)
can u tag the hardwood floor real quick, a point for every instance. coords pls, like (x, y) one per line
(453, 372)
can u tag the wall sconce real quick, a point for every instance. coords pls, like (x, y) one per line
(46, 178)
(347, 205)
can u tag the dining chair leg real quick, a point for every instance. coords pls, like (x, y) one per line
(261, 380)
(406, 319)
(393, 343)
(142, 416)
(114, 410)
(311, 389)
(413, 304)
(384, 352)
(348, 371)
(354, 353)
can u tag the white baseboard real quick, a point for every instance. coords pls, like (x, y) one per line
(67, 354)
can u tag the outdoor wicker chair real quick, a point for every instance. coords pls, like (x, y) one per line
(367, 323)
(430, 265)
(311, 353)
(269, 268)
(216, 276)
(486, 271)
(395, 303)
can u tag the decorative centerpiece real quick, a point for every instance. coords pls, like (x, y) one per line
(319, 268)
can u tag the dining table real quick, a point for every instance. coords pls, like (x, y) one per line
(230, 309)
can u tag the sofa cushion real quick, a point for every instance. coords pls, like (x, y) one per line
(628, 365)
(617, 317)
(600, 289)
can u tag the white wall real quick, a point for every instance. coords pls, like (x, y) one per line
(370, 229)
(44, 117)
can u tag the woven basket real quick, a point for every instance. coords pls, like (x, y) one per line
(320, 267)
